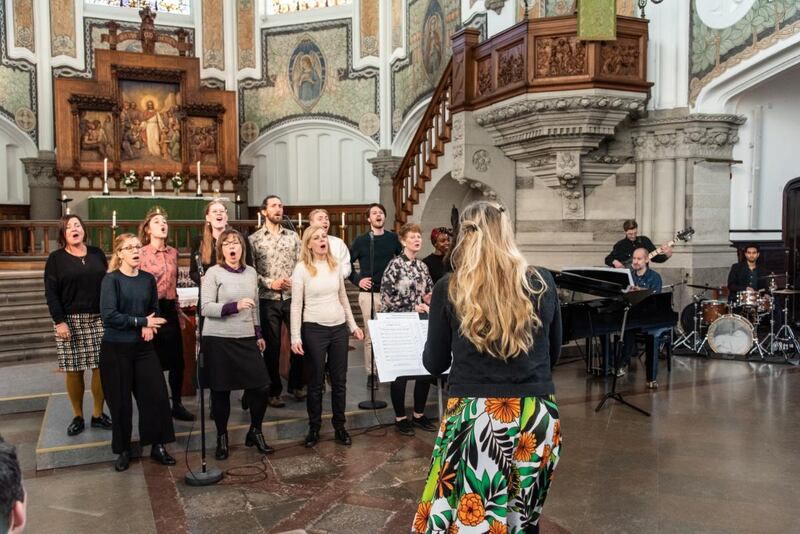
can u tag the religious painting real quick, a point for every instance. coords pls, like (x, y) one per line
(433, 34)
(202, 137)
(96, 135)
(307, 70)
(150, 133)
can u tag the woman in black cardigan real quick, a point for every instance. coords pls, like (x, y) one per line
(496, 324)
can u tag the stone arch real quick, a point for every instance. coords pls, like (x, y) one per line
(14, 145)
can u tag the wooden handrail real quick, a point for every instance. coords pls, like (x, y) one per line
(426, 146)
(36, 239)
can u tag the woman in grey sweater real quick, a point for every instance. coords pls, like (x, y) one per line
(232, 343)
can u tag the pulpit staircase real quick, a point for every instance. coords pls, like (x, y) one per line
(26, 329)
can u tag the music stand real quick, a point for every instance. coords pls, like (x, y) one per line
(631, 298)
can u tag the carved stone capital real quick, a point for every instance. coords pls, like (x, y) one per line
(495, 5)
(384, 166)
(41, 171)
(692, 136)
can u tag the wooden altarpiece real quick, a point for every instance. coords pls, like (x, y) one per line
(144, 112)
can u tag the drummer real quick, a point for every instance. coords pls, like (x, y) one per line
(746, 275)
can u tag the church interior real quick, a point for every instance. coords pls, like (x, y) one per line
(631, 144)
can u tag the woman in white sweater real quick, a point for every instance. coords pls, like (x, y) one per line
(232, 343)
(320, 305)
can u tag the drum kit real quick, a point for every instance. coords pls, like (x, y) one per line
(733, 326)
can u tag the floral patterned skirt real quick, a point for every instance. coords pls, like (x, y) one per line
(491, 467)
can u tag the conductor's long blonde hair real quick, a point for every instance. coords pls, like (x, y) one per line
(490, 289)
(307, 257)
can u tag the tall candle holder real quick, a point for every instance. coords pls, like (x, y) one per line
(238, 203)
(64, 200)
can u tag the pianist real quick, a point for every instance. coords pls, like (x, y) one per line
(643, 278)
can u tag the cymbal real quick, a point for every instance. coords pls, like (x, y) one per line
(781, 275)
(785, 291)
(702, 287)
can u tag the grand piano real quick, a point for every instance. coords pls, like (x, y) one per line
(601, 316)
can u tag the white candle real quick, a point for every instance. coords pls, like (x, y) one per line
(114, 219)
(238, 198)
(300, 219)
(67, 210)
(259, 220)
(105, 169)
(63, 196)
(342, 219)
(199, 190)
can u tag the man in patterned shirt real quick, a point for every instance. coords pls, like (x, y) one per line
(276, 251)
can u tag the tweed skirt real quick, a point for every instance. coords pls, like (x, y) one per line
(82, 350)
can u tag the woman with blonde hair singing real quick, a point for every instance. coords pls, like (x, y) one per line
(320, 305)
(496, 324)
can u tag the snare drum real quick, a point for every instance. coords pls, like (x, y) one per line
(731, 334)
(748, 297)
(714, 309)
(764, 304)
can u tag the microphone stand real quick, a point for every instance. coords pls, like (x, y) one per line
(207, 476)
(372, 403)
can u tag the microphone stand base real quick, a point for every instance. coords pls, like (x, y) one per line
(372, 405)
(203, 478)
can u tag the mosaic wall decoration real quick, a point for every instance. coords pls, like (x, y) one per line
(23, 25)
(17, 87)
(715, 50)
(308, 73)
(93, 29)
(369, 28)
(62, 28)
(245, 33)
(429, 26)
(213, 43)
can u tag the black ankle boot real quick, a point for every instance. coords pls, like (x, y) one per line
(160, 455)
(255, 437)
(222, 447)
(180, 413)
(123, 461)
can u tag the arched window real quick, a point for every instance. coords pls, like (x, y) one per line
(275, 7)
(180, 7)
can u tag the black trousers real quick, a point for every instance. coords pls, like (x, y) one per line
(133, 368)
(168, 343)
(256, 398)
(275, 313)
(318, 342)
(398, 392)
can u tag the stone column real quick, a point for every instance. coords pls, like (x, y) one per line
(44, 187)
(243, 186)
(683, 173)
(384, 167)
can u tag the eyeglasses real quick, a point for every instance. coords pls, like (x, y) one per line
(230, 244)
(131, 247)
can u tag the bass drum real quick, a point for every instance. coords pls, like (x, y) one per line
(687, 319)
(730, 334)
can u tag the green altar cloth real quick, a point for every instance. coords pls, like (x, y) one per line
(135, 207)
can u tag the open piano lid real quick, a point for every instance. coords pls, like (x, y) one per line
(599, 281)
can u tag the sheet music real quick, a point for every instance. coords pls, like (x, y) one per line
(398, 340)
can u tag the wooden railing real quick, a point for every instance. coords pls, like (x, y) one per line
(433, 133)
(534, 56)
(34, 240)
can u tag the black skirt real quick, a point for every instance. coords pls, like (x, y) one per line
(232, 363)
(168, 341)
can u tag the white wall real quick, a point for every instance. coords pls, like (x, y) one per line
(768, 148)
(312, 163)
(14, 145)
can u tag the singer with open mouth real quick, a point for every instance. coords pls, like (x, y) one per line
(232, 342)
(128, 360)
(161, 260)
(72, 278)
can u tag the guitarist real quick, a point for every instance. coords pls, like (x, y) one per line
(622, 253)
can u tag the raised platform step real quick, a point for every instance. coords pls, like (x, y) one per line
(56, 449)
(16, 311)
(30, 353)
(20, 275)
(21, 298)
(26, 387)
(15, 325)
(22, 285)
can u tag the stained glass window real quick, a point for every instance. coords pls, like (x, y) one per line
(290, 6)
(181, 7)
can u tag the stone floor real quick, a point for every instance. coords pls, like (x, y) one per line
(718, 455)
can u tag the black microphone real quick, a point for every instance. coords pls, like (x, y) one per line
(289, 220)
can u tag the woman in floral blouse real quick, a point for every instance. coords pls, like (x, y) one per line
(406, 286)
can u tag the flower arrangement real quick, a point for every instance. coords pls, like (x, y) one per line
(130, 179)
(177, 181)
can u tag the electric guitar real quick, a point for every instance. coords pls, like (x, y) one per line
(681, 236)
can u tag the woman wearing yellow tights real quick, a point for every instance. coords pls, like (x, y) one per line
(72, 278)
